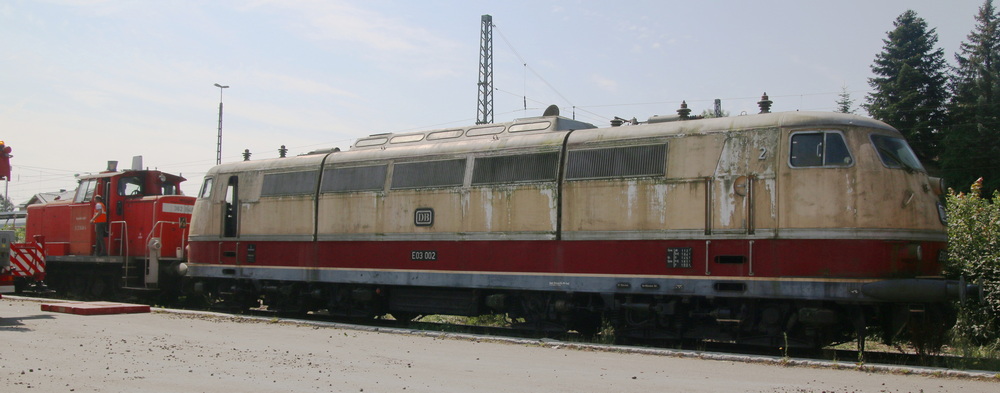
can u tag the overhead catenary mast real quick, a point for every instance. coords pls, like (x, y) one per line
(485, 115)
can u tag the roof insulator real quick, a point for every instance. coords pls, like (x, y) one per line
(684, 111)
(764, 104)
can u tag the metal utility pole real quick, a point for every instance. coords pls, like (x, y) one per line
(485, 115)
(218, 150)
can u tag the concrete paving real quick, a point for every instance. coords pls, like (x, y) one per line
(199, 352)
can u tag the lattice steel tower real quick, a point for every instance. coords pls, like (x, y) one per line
(485, 115)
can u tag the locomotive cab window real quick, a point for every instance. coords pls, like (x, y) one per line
(895, 153)
(819, 149)
(206, 188)
(169, 189)
(85, 192)
(130, 186)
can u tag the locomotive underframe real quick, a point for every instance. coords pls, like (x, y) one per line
(763, 311)
(111, 277)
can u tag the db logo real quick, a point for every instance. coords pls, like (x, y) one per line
(423, 217)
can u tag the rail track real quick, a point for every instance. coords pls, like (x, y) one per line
(882, 356)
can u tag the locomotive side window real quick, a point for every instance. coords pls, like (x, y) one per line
(446, 173)
(895, 153)
(819, 149)
(130, 186)
(631, 161)
(206, 188)
(515, 168)
(289, 183)
(360, 178)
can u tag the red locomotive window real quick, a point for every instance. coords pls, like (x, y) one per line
(819, 149)
(130, 186)
(85, 191)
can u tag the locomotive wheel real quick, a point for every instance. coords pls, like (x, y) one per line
(928, 329)
(588, 324)
(77, 287)
(97, 287)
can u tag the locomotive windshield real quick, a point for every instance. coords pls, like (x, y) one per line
(895, 153)
(206, 188)
(85, 191)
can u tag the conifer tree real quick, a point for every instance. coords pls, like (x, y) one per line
(845, 104)
(910, 85)
(972, 145)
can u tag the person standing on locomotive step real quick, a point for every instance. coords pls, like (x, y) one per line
(100, 220)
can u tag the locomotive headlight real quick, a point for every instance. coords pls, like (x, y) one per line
(942, 214)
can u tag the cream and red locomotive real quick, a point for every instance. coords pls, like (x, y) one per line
(795, 227)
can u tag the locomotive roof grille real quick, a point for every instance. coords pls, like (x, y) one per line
(520, 126)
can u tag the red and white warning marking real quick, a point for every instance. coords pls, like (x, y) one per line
(95, 308)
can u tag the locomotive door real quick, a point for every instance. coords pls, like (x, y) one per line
(742, 196)
(229, 244)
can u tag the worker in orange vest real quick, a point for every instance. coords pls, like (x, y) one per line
(100, 220)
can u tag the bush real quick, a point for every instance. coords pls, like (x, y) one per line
(974, 252)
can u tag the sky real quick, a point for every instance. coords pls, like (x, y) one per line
(83, 82)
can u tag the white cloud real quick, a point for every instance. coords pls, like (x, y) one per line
(604, 83)
(341, 21)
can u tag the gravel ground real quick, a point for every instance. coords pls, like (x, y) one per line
(192, 352)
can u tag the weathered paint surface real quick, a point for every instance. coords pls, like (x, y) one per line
(725, 179)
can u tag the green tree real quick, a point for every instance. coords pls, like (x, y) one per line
(845, 104)
(972, 146)
(709, 113)
(5, 204)
(910, 85)
(974, 253)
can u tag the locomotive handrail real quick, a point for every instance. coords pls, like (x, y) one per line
(150, 235)
(707, 243)
(708, 207)
(751, 228)
(124, 237)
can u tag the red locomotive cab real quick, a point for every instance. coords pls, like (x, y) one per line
(139, 205)
(143, 207)
(147, 219)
